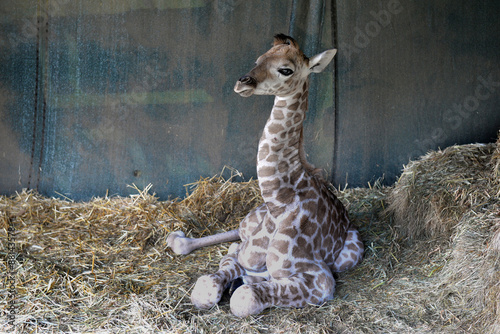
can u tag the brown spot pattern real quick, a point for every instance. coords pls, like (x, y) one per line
(266, 171)
(275, 128)
(285, 195)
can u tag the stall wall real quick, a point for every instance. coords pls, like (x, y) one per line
(97, 96)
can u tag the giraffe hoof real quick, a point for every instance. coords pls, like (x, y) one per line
(206, 293)
(245, 302)
(179, 243)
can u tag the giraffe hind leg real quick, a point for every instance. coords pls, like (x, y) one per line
(298, 290)
(351, 254)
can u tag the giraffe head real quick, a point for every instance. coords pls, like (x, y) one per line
(282, 70)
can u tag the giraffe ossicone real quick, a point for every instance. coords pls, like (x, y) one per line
(293, 243)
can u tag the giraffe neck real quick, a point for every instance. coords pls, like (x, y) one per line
(281, 160)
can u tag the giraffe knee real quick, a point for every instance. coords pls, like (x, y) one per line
(207, 292)
(233, 249)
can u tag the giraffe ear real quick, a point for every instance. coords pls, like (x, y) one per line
(320, 61)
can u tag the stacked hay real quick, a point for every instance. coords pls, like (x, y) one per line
(495, 165)
(451, 198)
(434, 192)
(495, 160)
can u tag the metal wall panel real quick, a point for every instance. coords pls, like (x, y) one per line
(413, 76)
(96, 96)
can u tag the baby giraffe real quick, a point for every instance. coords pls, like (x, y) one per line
(290, 245)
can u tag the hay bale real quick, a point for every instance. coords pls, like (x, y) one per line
(495, 240)
(435, 191)
(470, 279)
(495, 161)
(450, 198)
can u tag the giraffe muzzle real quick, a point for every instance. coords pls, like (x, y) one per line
(248, 80)
(245, 86)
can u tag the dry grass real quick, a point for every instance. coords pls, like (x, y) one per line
(435, 191)
(431, 265)
(495, 160)
(217, 204)
(454, 196)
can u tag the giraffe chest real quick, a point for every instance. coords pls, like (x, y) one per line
(293, 238)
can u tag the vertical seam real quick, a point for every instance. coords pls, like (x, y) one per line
(45, 69)
(35, 109)
(335, 93)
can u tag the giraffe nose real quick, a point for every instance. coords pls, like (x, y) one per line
(248, 80)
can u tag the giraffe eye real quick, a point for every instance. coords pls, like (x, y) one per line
(285, 71)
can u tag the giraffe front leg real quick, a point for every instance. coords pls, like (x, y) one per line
(298, 290)
(209, 288)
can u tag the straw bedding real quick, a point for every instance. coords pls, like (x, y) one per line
(431, 264)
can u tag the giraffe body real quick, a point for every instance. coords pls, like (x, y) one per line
(301, 234)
